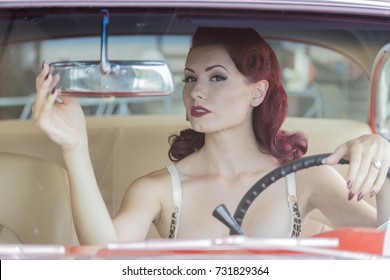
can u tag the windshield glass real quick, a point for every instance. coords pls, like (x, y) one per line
(325, 71)
(320, 82)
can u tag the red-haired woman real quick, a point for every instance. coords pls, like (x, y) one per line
(236, 105)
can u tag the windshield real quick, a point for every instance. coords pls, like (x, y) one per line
(325, 71)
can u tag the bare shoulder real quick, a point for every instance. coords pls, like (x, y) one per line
(153, 181)
(319, 181)
(319, 176)
(151, 191)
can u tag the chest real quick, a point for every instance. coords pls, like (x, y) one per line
(268, 216)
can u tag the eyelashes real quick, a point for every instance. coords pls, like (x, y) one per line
(188, 79)
(218, 78)
(215, 78)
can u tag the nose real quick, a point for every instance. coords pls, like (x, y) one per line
(198, 91)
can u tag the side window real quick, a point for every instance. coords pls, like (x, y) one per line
(322, 83)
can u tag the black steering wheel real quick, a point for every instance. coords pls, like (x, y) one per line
(235, 222)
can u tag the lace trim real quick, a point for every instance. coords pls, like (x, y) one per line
(296, 222)
(174, 218)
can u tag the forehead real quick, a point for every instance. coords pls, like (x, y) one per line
(209, 55)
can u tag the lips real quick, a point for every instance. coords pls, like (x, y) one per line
(199, 111)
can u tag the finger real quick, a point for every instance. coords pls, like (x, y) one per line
(337, 155)
(46, 88)
(376, 149)
(367, 183)
(367, 173)
(42, 87)
(41, 76)
(46, 109)
(55, 80)
(350, 152)
(356, 168)
(379, 182)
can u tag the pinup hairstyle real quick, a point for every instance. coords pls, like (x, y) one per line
(255, 59)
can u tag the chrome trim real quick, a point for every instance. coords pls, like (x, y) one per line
(379, 100)
(105, 66)
(362, 7)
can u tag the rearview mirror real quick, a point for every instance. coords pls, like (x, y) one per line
(113, 78)
(126, 78)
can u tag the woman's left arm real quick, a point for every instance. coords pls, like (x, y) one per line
(369, 157)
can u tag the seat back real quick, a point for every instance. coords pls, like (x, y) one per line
(34, 202)
(125, 148)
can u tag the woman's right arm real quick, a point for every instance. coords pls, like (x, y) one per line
(64, 123)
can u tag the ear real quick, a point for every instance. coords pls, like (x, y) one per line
(259, 92)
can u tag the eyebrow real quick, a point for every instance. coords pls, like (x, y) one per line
(207, 68)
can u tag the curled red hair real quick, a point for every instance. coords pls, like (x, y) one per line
(254, 58)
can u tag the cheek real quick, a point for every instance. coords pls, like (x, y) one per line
(186, 99)
(234, 98)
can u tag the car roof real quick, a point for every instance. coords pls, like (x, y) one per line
(364, 7)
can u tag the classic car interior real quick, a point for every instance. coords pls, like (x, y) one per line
(128, 136)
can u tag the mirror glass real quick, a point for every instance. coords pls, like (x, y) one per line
(125, 78)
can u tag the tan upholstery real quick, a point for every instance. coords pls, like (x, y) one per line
(34, 202)
(125, 148)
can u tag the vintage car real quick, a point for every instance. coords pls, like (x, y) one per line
(334, 62)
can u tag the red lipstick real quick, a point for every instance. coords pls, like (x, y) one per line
(199, 111)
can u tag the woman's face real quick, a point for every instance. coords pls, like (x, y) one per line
(216, 95)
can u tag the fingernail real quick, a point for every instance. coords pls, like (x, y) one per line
(360, 196)
(43, 64)
(47, 76)
(372, 193)
(349, 184)
(351, 195)
(53, 90)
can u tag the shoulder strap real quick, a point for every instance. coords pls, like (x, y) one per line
(176, 200)
(291, 187)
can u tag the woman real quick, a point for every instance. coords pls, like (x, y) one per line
(236, 105)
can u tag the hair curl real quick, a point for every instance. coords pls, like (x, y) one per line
(255, 59)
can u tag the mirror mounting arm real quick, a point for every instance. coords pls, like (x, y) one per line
(105, 66)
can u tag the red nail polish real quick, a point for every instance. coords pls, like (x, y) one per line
(53, 90)
(349, 184)
(360, 196)
(351, 195)
(43, 64)
(47, 76)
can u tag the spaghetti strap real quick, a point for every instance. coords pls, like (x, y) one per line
(176, 201)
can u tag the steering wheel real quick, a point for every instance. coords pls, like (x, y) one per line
(305, 162)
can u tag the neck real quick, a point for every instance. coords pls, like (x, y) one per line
(232, 152)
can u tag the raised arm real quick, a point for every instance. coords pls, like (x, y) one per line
(64, 122)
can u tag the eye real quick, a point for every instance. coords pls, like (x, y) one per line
(189, 79)
(218, 78)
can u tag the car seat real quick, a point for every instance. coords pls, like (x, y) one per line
(34, 202)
